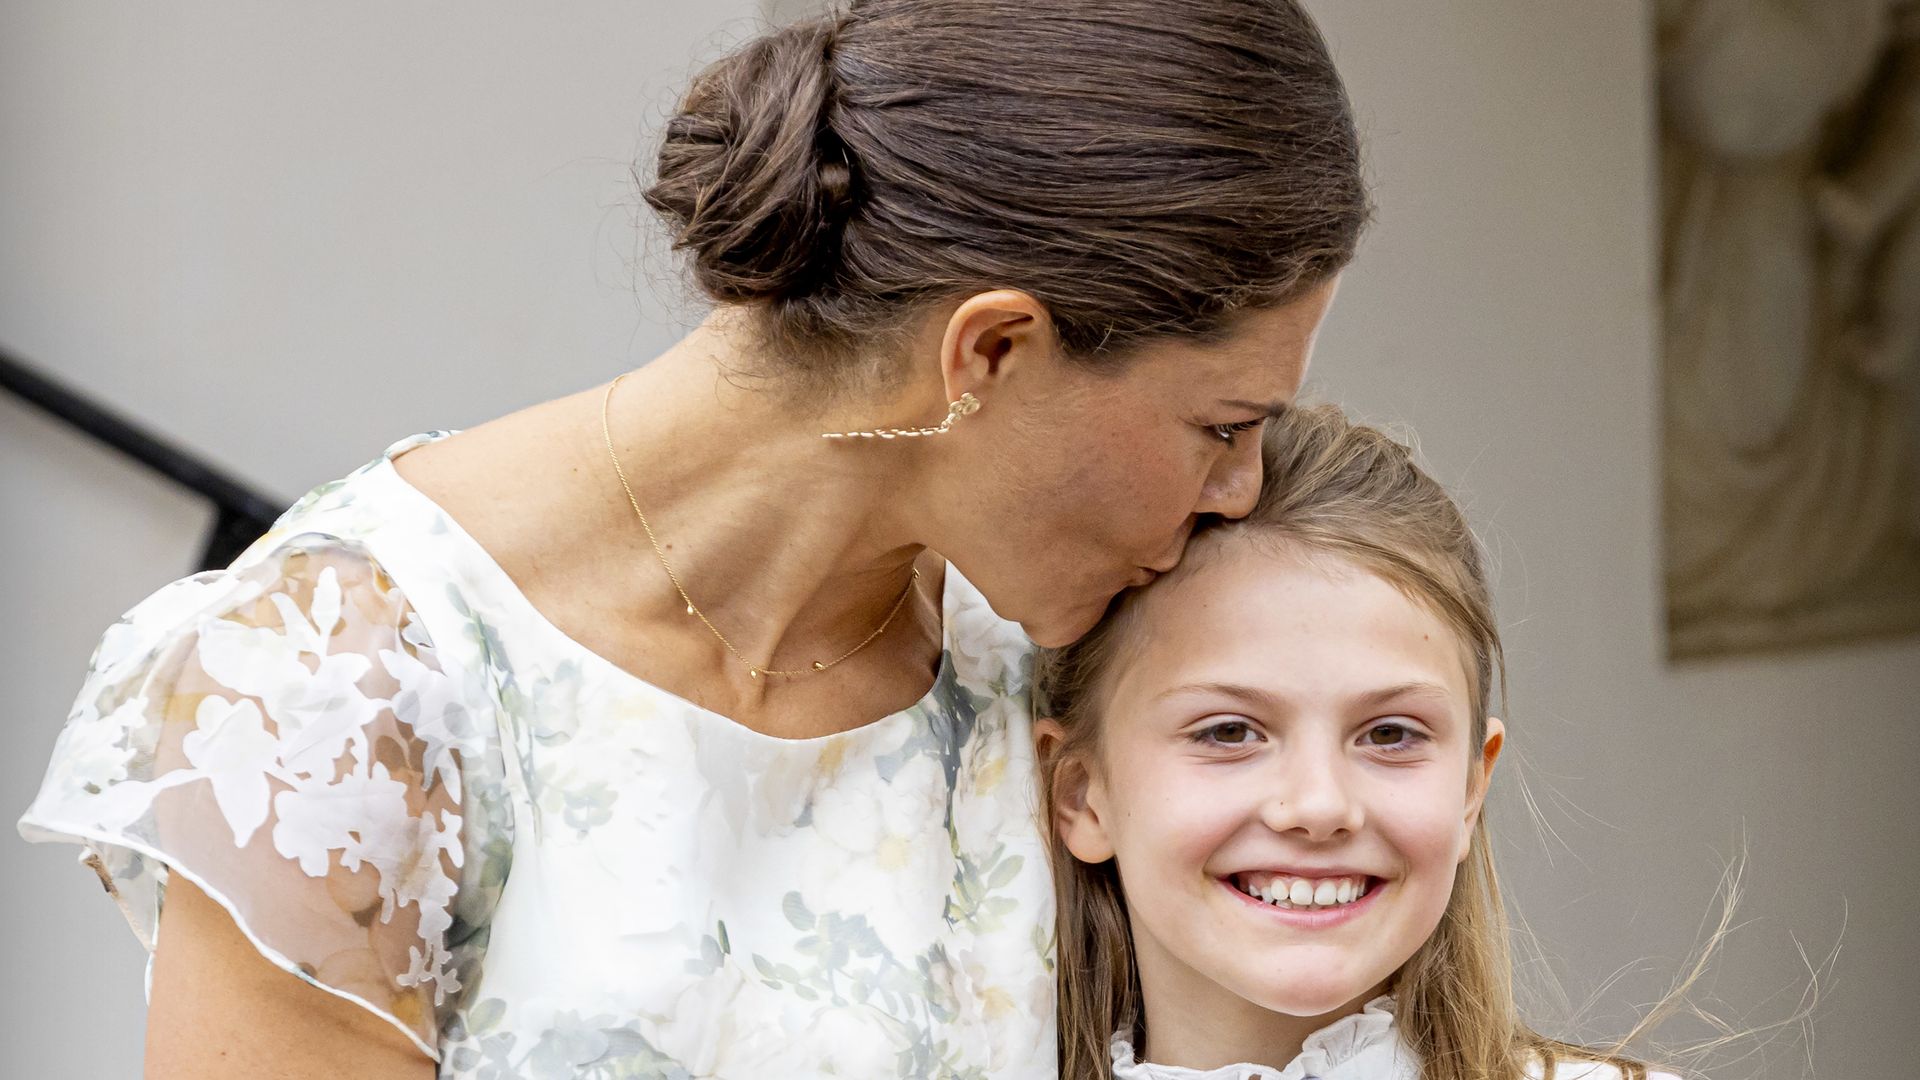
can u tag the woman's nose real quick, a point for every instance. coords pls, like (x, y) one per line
(1313, 798)
(1234, 485)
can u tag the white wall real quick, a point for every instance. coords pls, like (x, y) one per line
(292, 234)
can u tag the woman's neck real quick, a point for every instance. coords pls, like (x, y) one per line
(794, 545)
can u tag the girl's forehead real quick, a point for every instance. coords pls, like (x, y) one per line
(1277, 615)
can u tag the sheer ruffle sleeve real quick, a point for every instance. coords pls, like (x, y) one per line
(285, 735)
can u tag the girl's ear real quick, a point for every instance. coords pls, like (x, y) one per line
(1481, 778)
(1074, 795)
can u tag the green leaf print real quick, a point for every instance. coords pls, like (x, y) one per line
(795, 909)
(485, 1015)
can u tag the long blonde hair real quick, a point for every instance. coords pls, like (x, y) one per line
(1351, 491)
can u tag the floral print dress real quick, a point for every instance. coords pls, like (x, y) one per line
(412, 791)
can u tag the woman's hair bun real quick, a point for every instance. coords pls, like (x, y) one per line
(1142, 168)
(751, 178)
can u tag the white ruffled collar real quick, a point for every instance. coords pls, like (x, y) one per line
(1363, 1046)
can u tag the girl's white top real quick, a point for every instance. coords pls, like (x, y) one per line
(1363, 1046)
(412, 791)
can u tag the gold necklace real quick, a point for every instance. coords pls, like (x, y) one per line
(753, 670)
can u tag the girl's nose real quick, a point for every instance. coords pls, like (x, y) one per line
(1313, 799)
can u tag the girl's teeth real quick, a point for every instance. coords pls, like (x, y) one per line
(1295, 893)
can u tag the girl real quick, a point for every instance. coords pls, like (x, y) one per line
(1265, 774)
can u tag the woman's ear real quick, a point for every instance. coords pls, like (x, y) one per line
(1075, 798)
(989, 335)
(1480, 778)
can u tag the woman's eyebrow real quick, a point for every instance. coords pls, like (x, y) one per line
(1272, 410)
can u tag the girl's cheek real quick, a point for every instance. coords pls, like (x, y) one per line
(1210, 814)
(1179, 813)
(1428, 823)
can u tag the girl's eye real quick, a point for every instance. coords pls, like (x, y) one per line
(1391, 736)
(1227, 733)
(1230, 433)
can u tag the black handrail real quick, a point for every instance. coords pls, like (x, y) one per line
(243, 513)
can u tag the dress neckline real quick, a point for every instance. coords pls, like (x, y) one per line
(1326, 1054)
(498, 586)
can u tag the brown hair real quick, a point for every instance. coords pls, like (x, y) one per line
(1345, 490)
(1139, 167)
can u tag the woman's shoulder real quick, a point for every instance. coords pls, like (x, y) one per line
(288, 735)
(368, 506)
(370, 513)
(411, 544)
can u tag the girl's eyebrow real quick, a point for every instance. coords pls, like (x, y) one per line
(1250, 695)
(1416, 688)
(1258, 698)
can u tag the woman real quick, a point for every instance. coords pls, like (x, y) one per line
(679, 727)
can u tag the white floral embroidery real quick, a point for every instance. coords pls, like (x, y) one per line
(355, 815)
(280, 727)
(431, 705)
(230, 747)
(93, 751)
(127, 643)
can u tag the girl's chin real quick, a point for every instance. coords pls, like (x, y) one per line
(1324, 1000)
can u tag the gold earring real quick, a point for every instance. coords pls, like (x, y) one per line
(966, 406)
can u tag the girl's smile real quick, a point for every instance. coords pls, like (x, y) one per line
(1346, 896)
